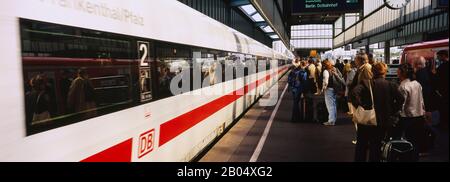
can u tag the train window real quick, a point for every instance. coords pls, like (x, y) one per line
(229, 67)
(211, 65)
(239, 64)
(250, 65)
(172, 62)
(74, 74)
(263, 64)
(222, 60)
(269, 64)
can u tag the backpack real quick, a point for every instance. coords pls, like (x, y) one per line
(338, 83)
(297, 79)
(303, 76)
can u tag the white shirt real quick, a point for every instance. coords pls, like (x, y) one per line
(326, 76)
(414, 105)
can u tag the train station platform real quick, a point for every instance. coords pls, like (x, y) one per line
(266, 134)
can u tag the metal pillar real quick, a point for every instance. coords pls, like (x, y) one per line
(387, 52)
(367, 49)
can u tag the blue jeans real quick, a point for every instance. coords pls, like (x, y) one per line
(330, 101)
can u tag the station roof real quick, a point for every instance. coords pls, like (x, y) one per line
(249, 9)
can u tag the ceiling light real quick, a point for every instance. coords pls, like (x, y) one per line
(257, 17)
(268, 29)
(248, 9)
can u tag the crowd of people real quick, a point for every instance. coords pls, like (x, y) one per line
(401, 110)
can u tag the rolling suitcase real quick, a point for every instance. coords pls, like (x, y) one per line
(321, 116)
(315, 108)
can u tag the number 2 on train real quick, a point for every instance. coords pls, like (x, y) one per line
(143, 53)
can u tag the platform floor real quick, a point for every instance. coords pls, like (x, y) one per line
(286, 141)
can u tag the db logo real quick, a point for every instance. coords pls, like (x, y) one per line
(146, 143)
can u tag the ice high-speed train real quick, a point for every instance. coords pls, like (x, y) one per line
(89, 80)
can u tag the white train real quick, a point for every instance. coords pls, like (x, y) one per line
(87, 80)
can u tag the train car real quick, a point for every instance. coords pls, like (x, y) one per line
(427, 50)
(90, 80)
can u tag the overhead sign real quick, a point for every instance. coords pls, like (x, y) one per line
(324, 6)
(439, 4)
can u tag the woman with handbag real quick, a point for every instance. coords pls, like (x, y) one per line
(412, 115)
(376, 100)
(363, 73)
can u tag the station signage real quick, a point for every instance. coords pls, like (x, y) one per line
(437, 4)
(326, 6)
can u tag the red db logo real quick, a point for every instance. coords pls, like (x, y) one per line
(146, 143)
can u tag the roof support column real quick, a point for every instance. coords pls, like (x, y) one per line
(367, 48)
(387, 52)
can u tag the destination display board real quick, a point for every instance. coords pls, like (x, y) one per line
(324, 6)
(439, 3)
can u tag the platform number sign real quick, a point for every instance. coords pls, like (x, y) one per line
(145, 80)
(144, 55)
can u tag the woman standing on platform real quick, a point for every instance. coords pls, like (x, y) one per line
(387, 101)
(412, 115)
(328, 90)
(297, 84)
(364, 72)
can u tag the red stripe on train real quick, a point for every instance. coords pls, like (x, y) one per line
(122, 152)
(118, 153)
(173, 128)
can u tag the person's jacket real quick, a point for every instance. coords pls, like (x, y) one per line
(364, 72)
(297, 80)
(442, 81)
(423, 76)
(387, 97)
(81, 95)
